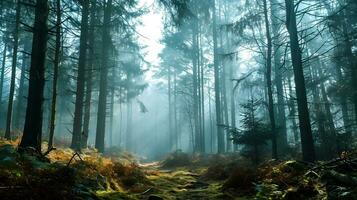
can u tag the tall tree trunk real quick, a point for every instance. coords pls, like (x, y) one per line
(102, 103)
(195, 88)
(320, 116)
(78, 110)
(225, 107)
(2, 76)
(170, 134)
(292, 114)
(199, 94)
(129, 137)
(348, 51)
(307, 142)
(220, 136)
(175, 111)
(33, 122)
(89, 74)
(120, 119)
(111, 120)
(203, 137)
(269, 82)
(353, 75)
(210, 120)
(334, 146)
(13, 72)
(19, 108)
(56, 64)
(233, 103)
(344, 107)
(281, 138)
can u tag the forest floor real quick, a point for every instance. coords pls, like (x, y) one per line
(179, 183)
(65, 174)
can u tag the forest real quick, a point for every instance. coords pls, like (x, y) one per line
(178, 99)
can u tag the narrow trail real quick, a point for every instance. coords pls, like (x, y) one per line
(181, 183)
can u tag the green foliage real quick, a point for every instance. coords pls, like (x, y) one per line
(253, 132)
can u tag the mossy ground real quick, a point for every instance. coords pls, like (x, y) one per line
(117, 175)
(94, 176)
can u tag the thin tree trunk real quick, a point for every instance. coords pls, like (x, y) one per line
(334, 146)
(199, 93)
(120, 121)
(233, 103)
(195, 88)
(343, 103)
(281, 138)
(170, 108)
(111, 120)
(13, 72)
(89, 82)
(129, 137)
(56, 64)
(220, 136)
(203, 137)
(175, 111)
(2, 75)
(269, 82)
(210, 119)
(320, 117)
(19, 108)
(33, 123)
(78, 110)
(292, 113)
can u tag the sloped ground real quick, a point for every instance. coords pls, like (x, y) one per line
(64, 174)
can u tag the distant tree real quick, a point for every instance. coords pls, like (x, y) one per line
(13, 71)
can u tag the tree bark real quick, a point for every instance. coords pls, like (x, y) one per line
(170, 134)
(269, 82)
(334, 147)
(2, 76)
(78, 110)
(344, 106)
(103, 85)
(307, 142)
(175, 111)
(19, 108)
(281, 130)
(195, 88)
(56, 64)
(202, 83)
(33, 122)
(220, 136)
(111, 119)
(210, 120)
(292, 114)
(129, 137)
(89, 82)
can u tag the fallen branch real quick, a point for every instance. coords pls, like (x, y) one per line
(74, 155)
(48, 151)
(341, 178)
(146, 191)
